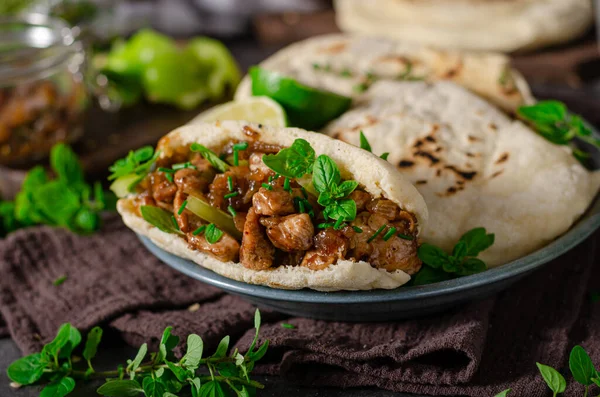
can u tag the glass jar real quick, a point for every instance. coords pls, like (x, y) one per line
(42, 91)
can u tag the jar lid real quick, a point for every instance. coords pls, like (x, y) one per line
(34, 46)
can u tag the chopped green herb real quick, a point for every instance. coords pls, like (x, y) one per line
(364, 143)
(213, 234)
(231, 195)
(388, 235)
(405, 236)
(304, 193)
(357, 229)
(236, 158)
(385, 155)
(339, 224)
(360, 88)
(327, 67)
(60, 280)
(267, 186)
(316, 66)
(230, 183)
(325, 225)
(241, 146)
(377, 232)
(169, 177)
(286, 185)
(181, 166)
(346, 73)
(288, 326)
(231, 210)
(210, 156)
(166, 170)
(174, 222)
(182, 207)
(199, 230)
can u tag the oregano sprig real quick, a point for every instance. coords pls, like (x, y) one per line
(155, 374)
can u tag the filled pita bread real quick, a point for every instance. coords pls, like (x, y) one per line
(376, 177)
(348, 64)
(474, 166)
(488, 25)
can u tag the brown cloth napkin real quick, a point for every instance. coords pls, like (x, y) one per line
(476, 350)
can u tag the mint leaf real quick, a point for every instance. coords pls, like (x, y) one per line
(179, 372)
(72, 343)
(460, 250)
(555, 381)
(581, 366)
(364, 143)
(325, 174)
(27, 370)
(66, 165)
(342, 209)
(120, 388)
(429, 275)
(153, 388)
(471, 266)
(210, 156)
(213, 234)
(503, 393)
(91, 344)
(543, 112)
(63, 337)
(345, 188)
(477, 240)
(292, 162)
(193, 355)
(212, 389)
(59, 388)
(139, 162)
(222, 348)
(139, 357)
(57, 202)
(433, 256)
(159, 218)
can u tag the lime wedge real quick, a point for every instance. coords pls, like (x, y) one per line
(261, 110)
(306, 107)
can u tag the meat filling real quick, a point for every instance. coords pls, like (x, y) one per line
(278, 223)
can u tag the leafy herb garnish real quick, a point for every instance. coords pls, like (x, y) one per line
(332, 192)
(59, 280)
(553, 121)
(288, 326)
(210, 156)
(213, 234)
(364, 143)
(385, 155)
(440, 266)
(159, 218)
(555, 381)
(137, 162)
(292, 162)
(157, 374)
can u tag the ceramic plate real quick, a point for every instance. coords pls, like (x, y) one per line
(382, 305)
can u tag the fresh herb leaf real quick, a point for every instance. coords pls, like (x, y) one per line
(544, 112)
(66, 165)
(58, 388)
(288, 326)
(193, 355)
(385, 155)
(342, 210)
(152, 387)
(581, 366)
(460, 250)
(555, 381)
(137, 162)
(210, 156)
(364, 143)
(27, 370)
(222, 348)
(503, 393)
(433, 256)
(91, 344)
(139, 357)
(345, 188)
(326, 174)
(213, 234)
(159, 218)
(59, 280)
(292, 162)
(429, 275)
(120, 388)
(471, 266)
(477, 240)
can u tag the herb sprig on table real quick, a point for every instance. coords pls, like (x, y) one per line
(158, 374)
(581, 367)
(67, 200)
(441, 266)
(552, 120)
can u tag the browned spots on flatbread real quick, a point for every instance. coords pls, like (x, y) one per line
(469, 154)
(429, 138)
(453, 72)
(495, 174)
(437, 150)
(336, 135)
(370, 120)
(451, 190)
(427, 155)
(250, 132)
(468, 175)
(434, 128)
(438, 173)
(218, 123)
(418, 143)
(420, 182)
(335, 48)
(396, 59)
(473, 138)
(459, 182)
(502, 158)
(405, 163)
(493, 126)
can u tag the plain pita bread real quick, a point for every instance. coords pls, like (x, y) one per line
(488, 25)
(377, 177)
(487, 74)
(473, 165)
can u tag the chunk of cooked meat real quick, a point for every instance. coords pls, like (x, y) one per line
(290, 233)
(226, 249)
(386, 208)
(273, 202)
(330, 246)
(163, 191)
(182, 219)
(220, 187)
(283, 258)
(395, 254)
(256, 251)
(408, 220)
(360, 198)
(191, 181)
(239, 220)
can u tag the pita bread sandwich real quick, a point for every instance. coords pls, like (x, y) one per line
(348, 65)
(488, 25)
(474, 165)
(280, 207)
